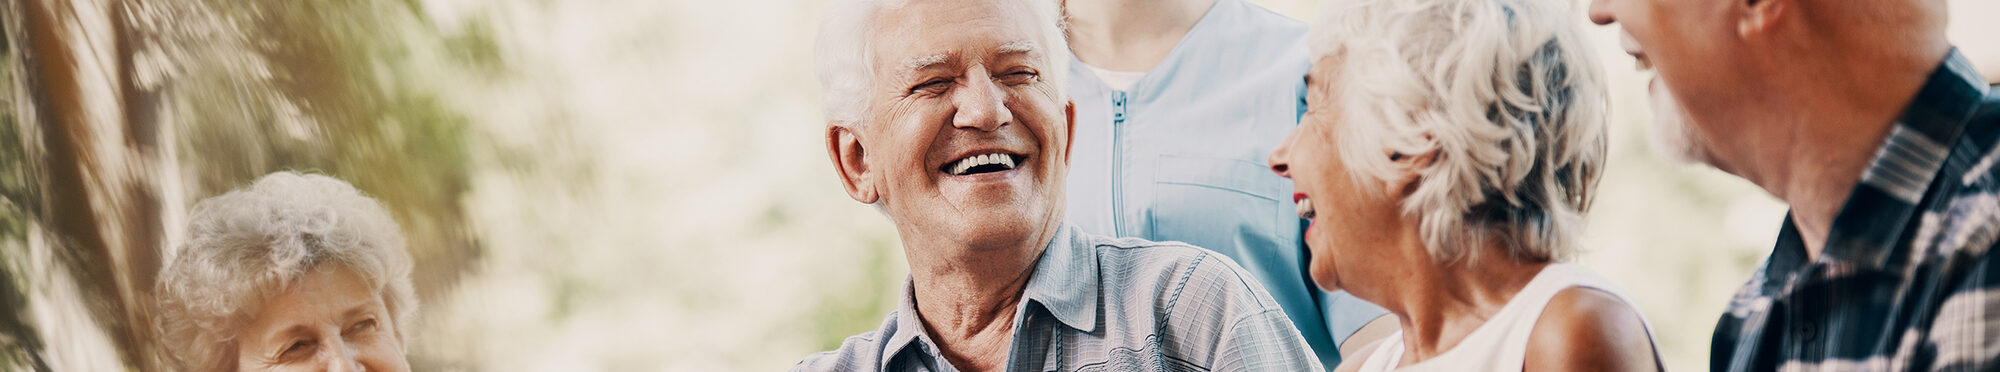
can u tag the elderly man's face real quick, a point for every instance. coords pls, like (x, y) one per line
(1695, 47)
(963, 140)
(330, 320)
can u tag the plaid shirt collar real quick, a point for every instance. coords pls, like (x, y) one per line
(1891, 191)
(1064, 282)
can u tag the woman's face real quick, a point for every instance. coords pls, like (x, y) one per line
(1355, 223)
(330, 320)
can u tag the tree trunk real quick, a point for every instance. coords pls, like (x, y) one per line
(98, 155)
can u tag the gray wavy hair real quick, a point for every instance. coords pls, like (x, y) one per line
(250, 244)
(1506, 93)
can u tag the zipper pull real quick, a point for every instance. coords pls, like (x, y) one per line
(1118, 107)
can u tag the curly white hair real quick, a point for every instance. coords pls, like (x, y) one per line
(1506, 94)
(250, 244)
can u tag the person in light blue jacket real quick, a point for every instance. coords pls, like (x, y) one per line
(1178, 103)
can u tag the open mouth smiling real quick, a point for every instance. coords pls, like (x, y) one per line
(982, 163)
(1304, 206)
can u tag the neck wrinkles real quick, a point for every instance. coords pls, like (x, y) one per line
(1440, 304)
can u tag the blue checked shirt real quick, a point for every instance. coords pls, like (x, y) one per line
(1101, 304)
(1905, 282)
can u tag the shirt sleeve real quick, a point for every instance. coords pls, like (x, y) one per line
(1965, 334)
(1264, 341)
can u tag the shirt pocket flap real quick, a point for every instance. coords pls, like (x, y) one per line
(1244, 177)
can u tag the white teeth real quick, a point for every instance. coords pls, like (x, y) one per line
(1305, 208)
(978, 160)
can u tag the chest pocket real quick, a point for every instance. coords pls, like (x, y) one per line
(1226, 205)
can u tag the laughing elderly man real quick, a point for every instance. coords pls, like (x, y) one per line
(950, 116)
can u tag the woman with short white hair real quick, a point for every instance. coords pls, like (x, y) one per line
(1445, 163)
(295, 272)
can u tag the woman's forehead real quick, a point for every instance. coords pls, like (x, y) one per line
(326, 293)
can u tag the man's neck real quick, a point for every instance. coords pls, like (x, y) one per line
(1831, 130)
(967, 300)
(1130, 35)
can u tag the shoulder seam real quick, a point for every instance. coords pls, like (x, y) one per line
(1168, 312)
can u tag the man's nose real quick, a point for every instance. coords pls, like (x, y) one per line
(981, 104)
(1600, 12)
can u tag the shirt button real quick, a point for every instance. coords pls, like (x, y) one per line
(1808, 332)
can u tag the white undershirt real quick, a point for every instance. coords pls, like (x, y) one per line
(1117, 80)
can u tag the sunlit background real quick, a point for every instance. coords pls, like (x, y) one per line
(610, 185)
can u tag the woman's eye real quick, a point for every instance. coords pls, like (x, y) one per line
(363, 325)
(297, 350)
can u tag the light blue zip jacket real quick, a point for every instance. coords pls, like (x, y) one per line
(1180, 156)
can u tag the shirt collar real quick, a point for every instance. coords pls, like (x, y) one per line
(1876, 212)
(908, 328)
(1064, 282)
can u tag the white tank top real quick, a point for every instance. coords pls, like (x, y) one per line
(1501, 344)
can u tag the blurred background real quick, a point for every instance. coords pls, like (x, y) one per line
(605, 185)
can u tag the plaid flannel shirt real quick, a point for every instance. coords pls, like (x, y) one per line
(1905, 281)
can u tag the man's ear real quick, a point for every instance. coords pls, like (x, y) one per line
(851, 162)
(1760, 16)
(1069, 130)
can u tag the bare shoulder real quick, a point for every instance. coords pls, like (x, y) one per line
(1585, 329)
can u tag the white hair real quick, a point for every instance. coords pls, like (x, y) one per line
(1505, 93)
(844, 60)
(251, 244)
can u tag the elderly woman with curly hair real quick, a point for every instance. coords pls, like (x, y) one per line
(1445, 163)
(295, 272)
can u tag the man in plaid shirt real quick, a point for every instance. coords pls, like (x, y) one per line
(1881, 137)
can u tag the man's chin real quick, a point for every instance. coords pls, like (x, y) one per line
(1675, 145)
(984, 234)
(1673, 135)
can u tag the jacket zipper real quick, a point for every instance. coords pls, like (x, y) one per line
(1117, 154)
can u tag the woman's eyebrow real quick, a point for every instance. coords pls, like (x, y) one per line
(357, 310)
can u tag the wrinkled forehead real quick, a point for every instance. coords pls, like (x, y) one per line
(929, 32)
(325, 293)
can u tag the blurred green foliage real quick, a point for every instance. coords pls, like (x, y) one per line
(337, 100)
